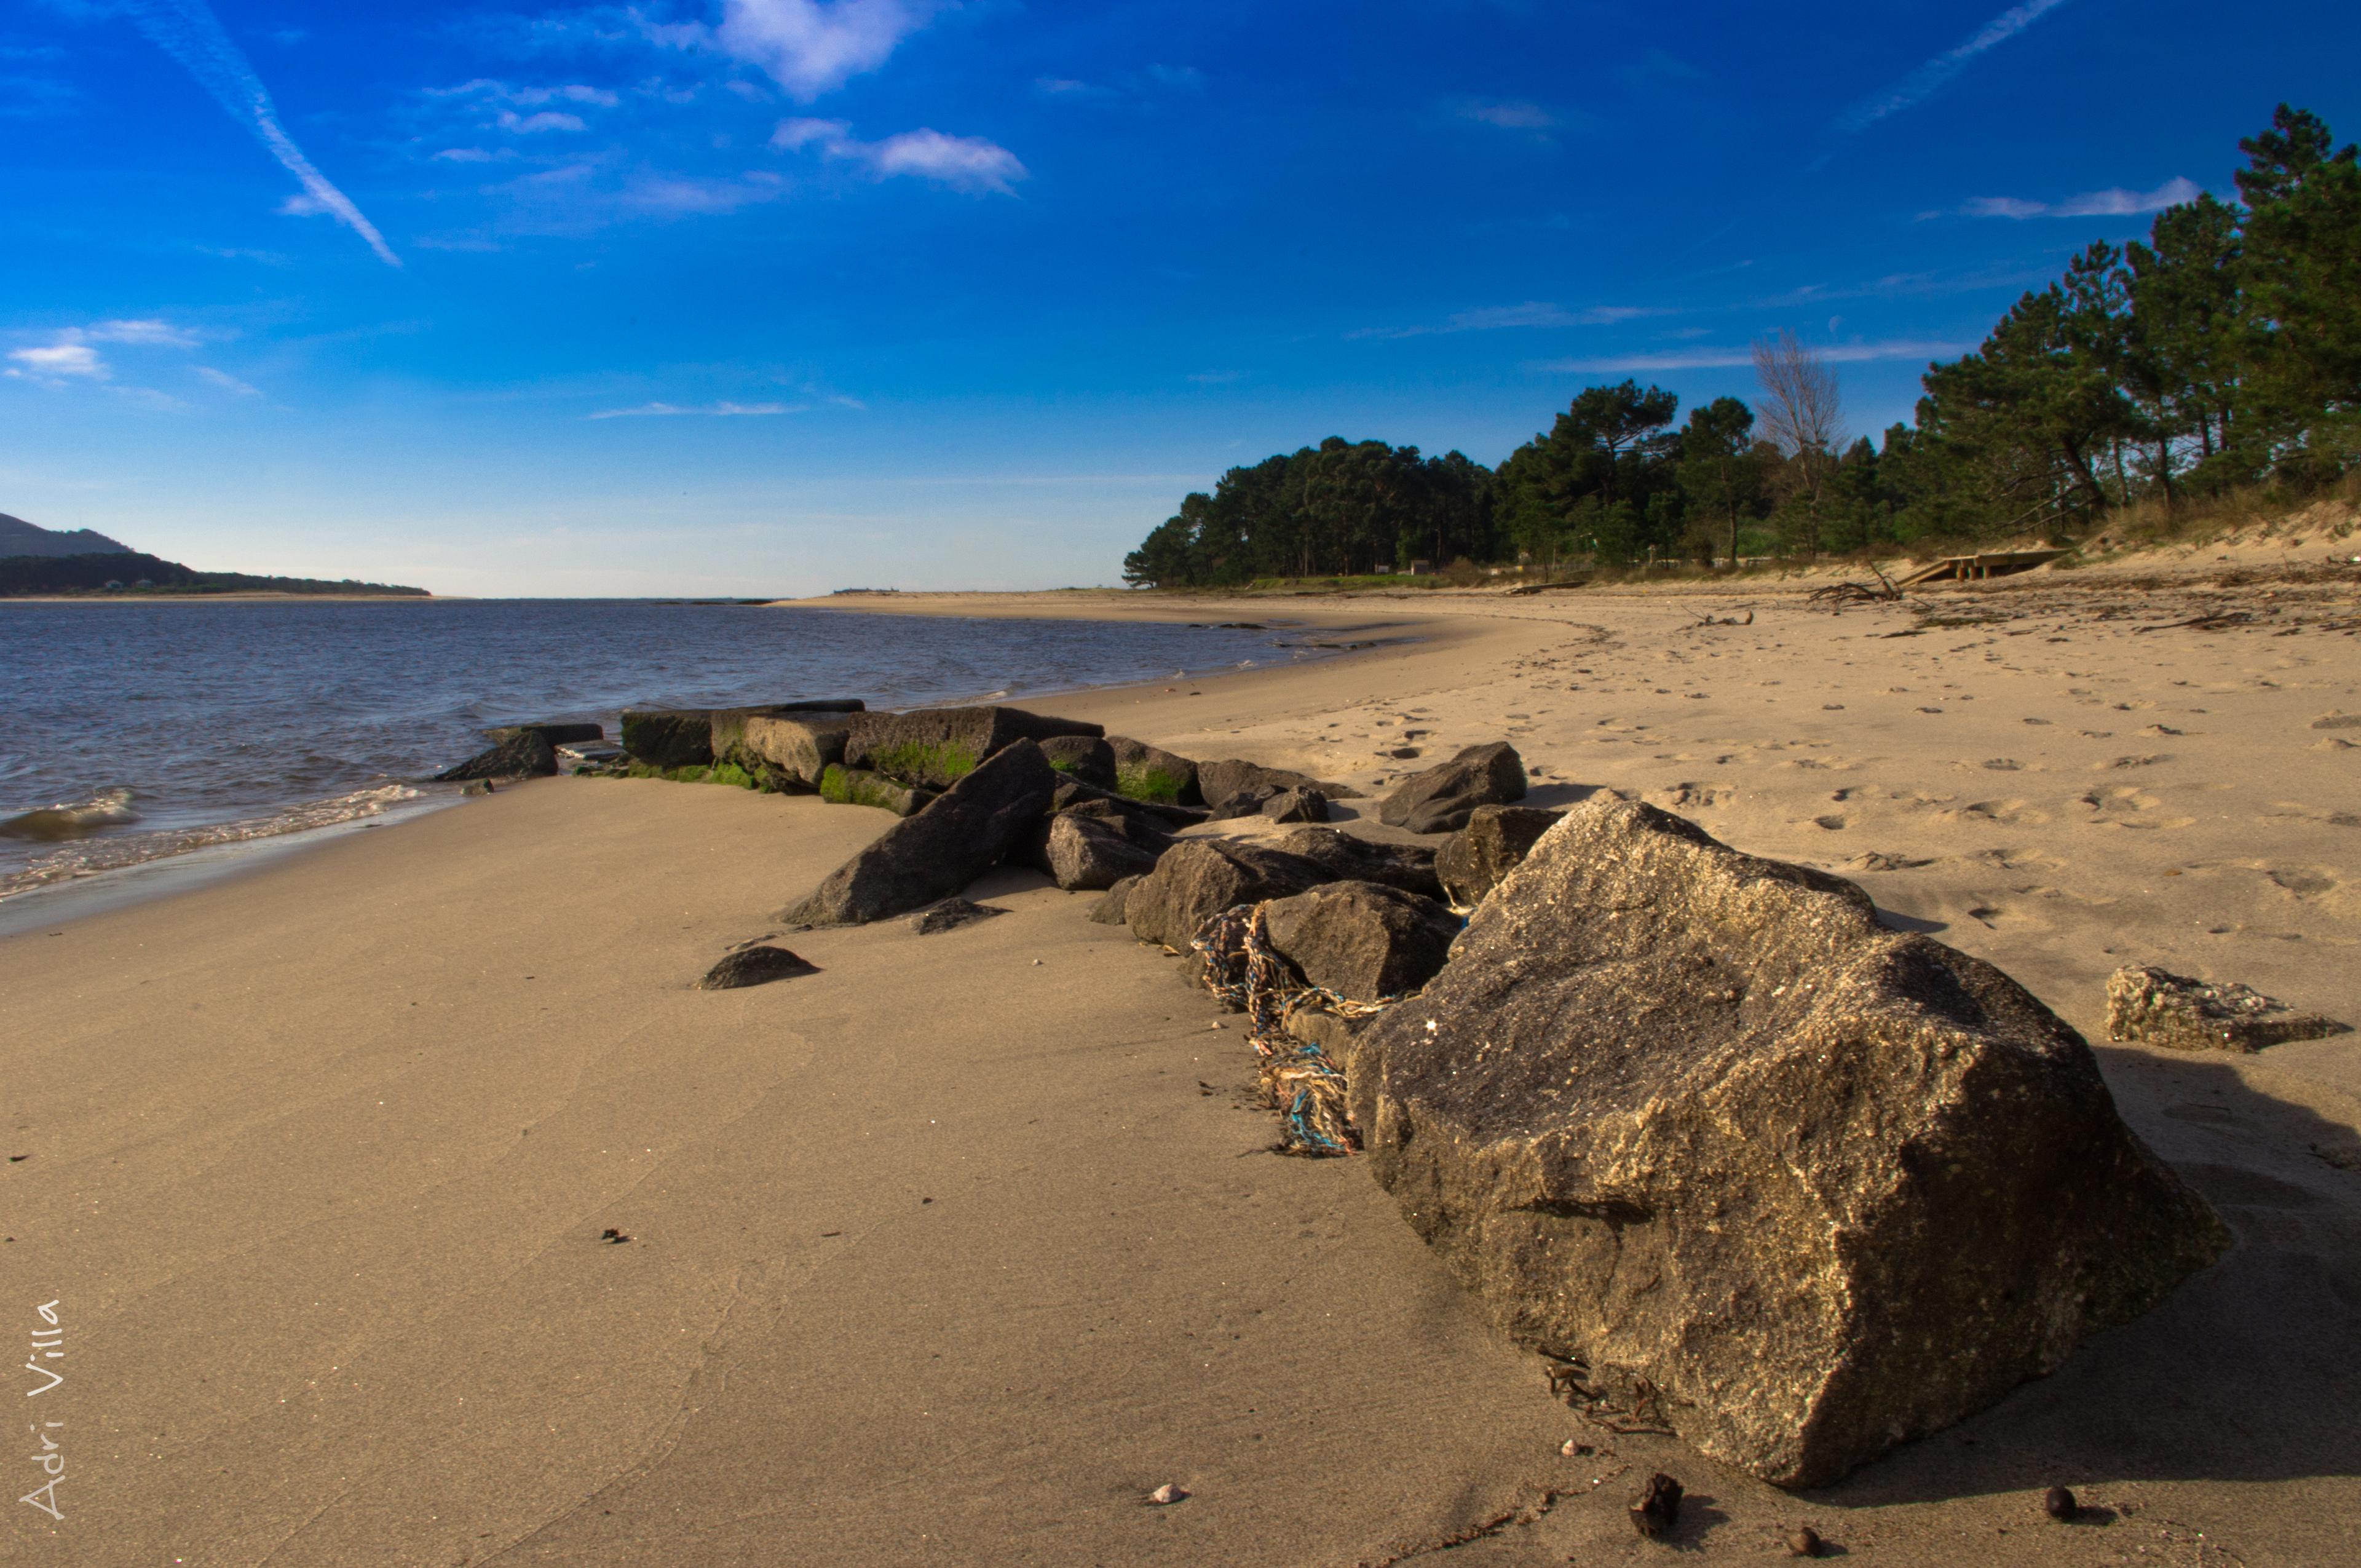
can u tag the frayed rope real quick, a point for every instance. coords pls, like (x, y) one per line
(1243, 969)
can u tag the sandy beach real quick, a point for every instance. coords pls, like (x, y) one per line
(952, 1251)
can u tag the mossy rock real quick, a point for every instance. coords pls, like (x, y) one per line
(946, 761)
(841, 786)
(1156, 785)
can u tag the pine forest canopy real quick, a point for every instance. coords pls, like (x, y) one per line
(2224, 351)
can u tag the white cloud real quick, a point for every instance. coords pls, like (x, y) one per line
(723, 410)
(794, 134)
(1508, 114)
(2113, 202)
(57, 361)
(811, 45)
(965, 163)
(228, 383)
(1730, 359)
(150, 331)
(546, 120)
(682, 194)
(463, 155)
(189, 33)
(1531, 314)
(1931, 76)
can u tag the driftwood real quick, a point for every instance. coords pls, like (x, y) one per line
(1842, 594)
(1725, 621)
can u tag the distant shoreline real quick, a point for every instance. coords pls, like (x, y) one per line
(128, 597)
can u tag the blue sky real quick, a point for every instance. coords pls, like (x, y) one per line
(741, 296)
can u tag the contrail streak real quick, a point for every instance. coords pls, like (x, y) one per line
(189, 33)
(1943, 67)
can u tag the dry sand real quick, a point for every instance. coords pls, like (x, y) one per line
(951, 1252)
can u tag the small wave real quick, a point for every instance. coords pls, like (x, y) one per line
(73, 819)
(133, 849)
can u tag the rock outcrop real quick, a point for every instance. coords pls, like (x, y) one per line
(1409, 867)
(1363, 940)
(1471, 861)
(1219, 781)
(2156, 1007)
(671, 738)
(1199, 877)
(935, 747)
(1799, 1186)
(1074, 794)
(524, 754)
(1114, 903)
(1441, 798)
(1086, 854)
(555, 734)
(939, 851)
(1297, 806)
(859, 786)
(1084, 757)
(1151, 772)
(794, 750)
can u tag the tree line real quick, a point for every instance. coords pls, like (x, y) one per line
(2224, 351)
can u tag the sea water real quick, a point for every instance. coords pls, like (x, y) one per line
(131, 731)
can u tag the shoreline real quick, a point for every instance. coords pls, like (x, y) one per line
(202, 864)
(958, 1246)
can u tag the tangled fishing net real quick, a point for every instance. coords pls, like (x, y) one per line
(1298, 1077)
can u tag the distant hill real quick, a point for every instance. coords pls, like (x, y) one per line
(18, 537)
(120, 572)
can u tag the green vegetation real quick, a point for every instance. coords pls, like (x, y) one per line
(2221, 358)
(1156, 785)
(122, 573)
(856, 786)
(732, 774)
(935, 762)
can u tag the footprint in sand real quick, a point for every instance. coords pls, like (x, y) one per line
(2304, 882)
(2337, 721)
(2146, 761)
(2010, 811)
(1832, 822)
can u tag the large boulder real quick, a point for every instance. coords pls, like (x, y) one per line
(527, 753)
(1441, 798)
(1409, 867)
(1219, 781)
(1086, 853)
(1084, 757)
(943, 848)
(794, 750)
(935, 747)
(1151, 772)
(684, 737)
(1199, 877)
(1799, 1186)
(1363, 940)
(1495, 840)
